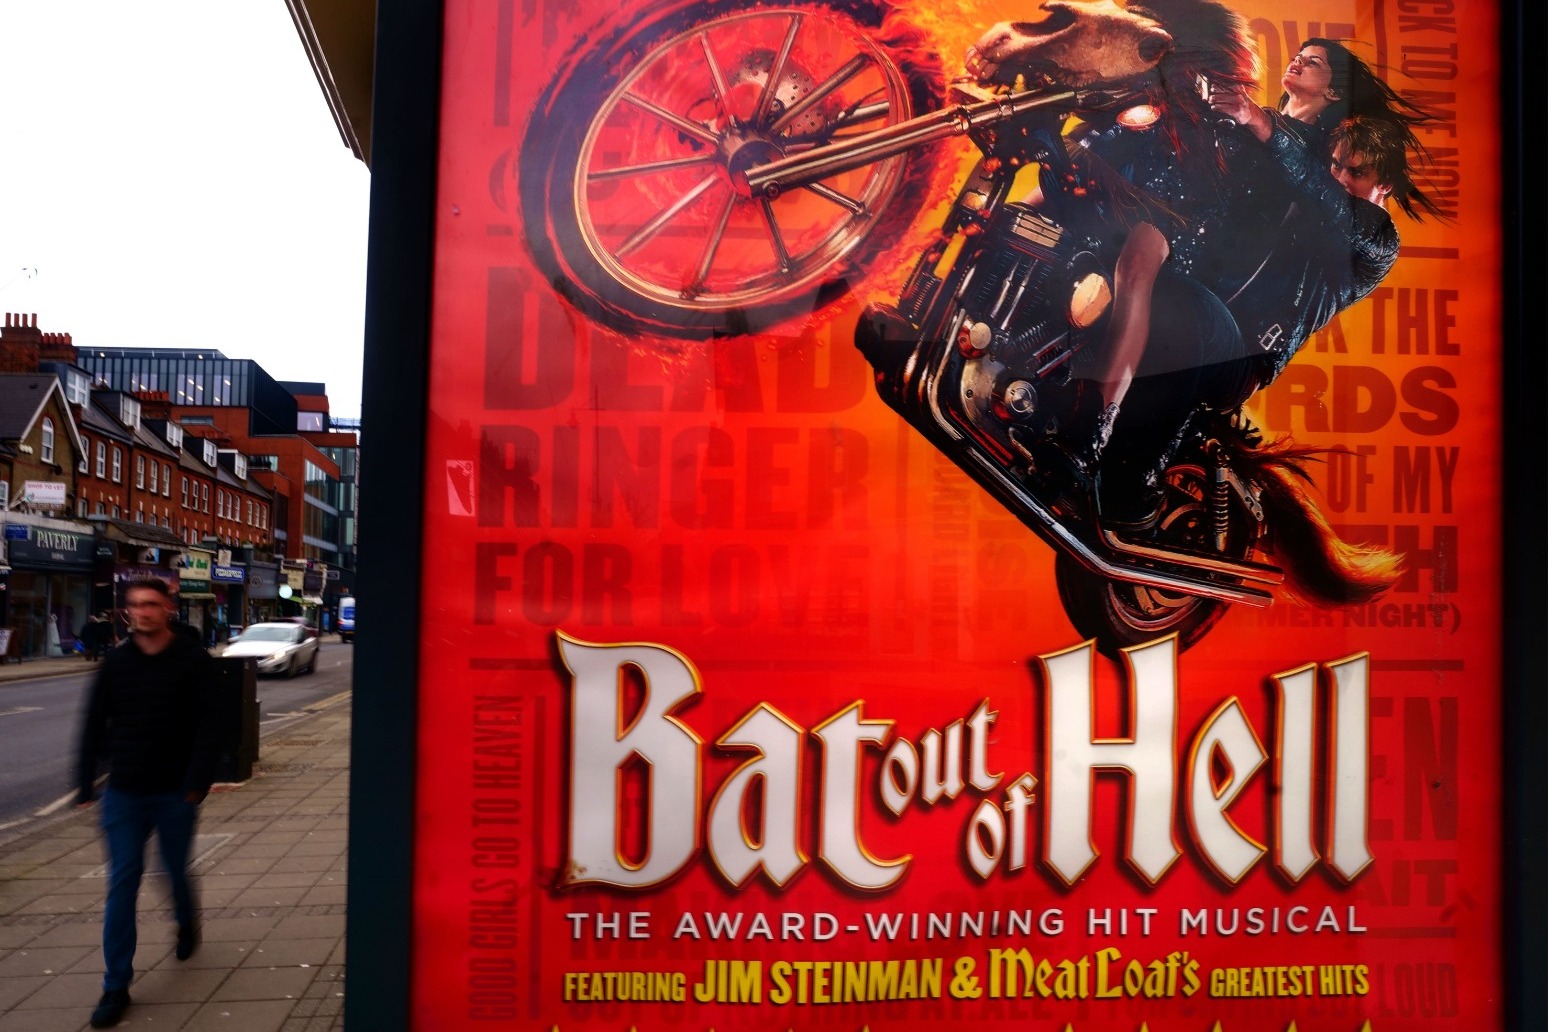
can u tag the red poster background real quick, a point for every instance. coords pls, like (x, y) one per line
(824, 553)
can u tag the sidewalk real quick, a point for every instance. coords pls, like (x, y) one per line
(270, 862)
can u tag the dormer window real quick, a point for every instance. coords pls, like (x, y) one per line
(239, 466)
(211, 453)
(77, 388)
(174, 435)
(129, 411)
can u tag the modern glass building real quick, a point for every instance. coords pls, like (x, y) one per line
(197, 376)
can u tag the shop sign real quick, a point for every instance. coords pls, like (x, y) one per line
(49, 493)
(261, 581)
(227, 574)
(124, 574)
(46, 547)
(193, 571)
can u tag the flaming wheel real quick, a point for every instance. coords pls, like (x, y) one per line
(1119, 614)
(632, 170)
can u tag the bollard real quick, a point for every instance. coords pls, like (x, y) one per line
(237, 682)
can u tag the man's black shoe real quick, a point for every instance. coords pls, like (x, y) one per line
(110, 1009)
(187, 941)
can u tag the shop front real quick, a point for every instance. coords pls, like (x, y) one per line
(127, 552)
(228, 581)
(49, 588)
(263, 580)
(197, 604)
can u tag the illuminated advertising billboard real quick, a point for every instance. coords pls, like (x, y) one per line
(962, 513)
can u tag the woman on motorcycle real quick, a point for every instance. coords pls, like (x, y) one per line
(1329, 249)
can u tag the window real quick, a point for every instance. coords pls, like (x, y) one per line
(139, 472)
(80, 507)
(129, 411)
(48, 439)
(77, 388)
(310, 421)
(5, 495)
(204, 491)
(101, 508)
(211, 454)
(101, 459)
(185, 492)
(85, 453)
(153, 468)
(174, 435)
(117, 512)
(118, 465)
(166, 480)
(139, 515)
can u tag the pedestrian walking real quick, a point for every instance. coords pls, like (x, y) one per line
(153, 715)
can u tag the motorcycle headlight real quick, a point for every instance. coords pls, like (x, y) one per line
(1089, 300)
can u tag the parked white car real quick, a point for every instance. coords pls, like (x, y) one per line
(280, 648)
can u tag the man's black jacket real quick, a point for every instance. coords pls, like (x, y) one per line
(156, 720)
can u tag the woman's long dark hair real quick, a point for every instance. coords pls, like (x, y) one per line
(1363, 94)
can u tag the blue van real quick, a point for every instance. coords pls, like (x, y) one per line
(346, 618)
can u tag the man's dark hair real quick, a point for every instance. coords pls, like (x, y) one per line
(1384, 144)
(1364, 94)
(155, 584)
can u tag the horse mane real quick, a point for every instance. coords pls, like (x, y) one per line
(1210, 42)
(1321, 568)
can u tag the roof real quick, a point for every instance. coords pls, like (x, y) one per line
(99, 418)
(151, 441)
(23, 396)
(138, 533)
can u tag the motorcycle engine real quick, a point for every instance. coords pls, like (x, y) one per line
(1030, 301)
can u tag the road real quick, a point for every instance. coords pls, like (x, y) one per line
(40, 720)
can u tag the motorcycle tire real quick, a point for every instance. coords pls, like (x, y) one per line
(628, 169)
(1119, 615)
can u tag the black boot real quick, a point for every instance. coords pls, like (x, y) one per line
(1083, 438)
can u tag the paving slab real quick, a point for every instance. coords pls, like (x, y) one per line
(271, 880)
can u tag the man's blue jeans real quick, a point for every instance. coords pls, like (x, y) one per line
(127, 822)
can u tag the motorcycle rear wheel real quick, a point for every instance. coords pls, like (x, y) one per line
(629, 169)
(1119, 614)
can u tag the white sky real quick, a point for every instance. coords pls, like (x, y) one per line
(173, 173)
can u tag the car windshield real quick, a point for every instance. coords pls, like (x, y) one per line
(270, 632)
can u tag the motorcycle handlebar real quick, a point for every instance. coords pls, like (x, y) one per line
(797, 170)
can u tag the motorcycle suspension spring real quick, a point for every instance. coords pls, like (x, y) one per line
(1220, 511)
(1028, 344)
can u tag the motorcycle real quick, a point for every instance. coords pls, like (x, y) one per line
(788, 146)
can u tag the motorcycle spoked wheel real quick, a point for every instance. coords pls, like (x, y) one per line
(1119, 614)
(628, 168)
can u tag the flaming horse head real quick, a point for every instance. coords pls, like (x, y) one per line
(1171, 45)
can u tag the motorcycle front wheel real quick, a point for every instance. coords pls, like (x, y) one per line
(1119, 614)
(631, 169)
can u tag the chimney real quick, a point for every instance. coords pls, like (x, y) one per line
(56, 347)
(20, 344)
(154, 404)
